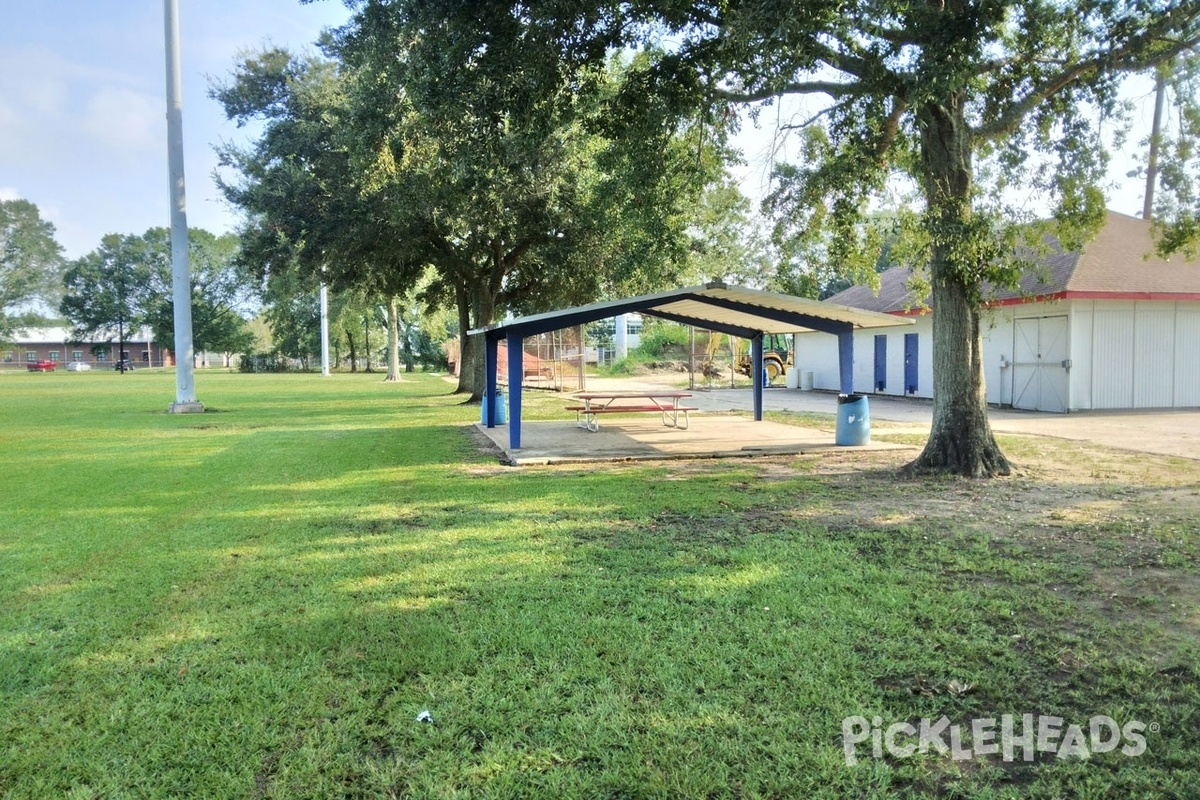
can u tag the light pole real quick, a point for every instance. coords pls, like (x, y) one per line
(324, 329)
(185, 388)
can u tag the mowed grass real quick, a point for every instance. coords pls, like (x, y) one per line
(258, 602)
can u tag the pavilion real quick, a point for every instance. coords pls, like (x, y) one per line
(734, 310)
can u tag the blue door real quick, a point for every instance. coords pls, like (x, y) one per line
(880, 362)
(910, 363)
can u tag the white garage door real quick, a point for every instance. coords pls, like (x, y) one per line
(1040, 356)
(1144, 356)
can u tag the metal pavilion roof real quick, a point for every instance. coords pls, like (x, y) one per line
(736, 310)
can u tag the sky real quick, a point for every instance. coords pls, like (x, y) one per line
(83, 131)
(83, 109)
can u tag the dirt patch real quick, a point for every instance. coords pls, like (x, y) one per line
(1121, 526)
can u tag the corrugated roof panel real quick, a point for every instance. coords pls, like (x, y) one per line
(714, 304)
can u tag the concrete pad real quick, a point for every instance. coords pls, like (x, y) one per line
(636, 439)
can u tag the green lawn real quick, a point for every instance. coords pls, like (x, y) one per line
(259, 601)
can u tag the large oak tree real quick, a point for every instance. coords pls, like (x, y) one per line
(458, 136)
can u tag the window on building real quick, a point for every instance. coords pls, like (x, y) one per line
(30, 356)
(10, 357)
(101, 357)
(124, 355)
(54, 356)
(77, 355)
(145, 356)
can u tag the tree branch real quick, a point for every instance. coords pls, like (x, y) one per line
(831, 88)
(1130, 57)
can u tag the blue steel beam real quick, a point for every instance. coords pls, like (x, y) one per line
(490, 363)
(571, 319)
(516, 369)
(846, 361)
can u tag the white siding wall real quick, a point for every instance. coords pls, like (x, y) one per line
(1154, 355)
(997, 326)
(818, 352)
(1082, 324)
(1124, 354)
(1112, 363)
(1187, 355)
(1141, 354)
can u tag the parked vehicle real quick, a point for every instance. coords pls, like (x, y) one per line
(41, 366)
(78, 366)
(124, 365)
(777, 356)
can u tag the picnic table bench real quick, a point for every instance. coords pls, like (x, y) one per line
(666, 403)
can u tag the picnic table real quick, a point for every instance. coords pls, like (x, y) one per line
(665, 402)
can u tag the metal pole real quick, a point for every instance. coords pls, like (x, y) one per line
(185, 389)
(1160, 89)
(691, 356)
(324, 330)
(582, 359)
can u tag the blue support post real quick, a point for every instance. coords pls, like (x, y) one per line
(846, 360)
(490, 363)
(756, 370)
(516, 370)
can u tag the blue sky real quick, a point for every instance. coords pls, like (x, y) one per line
(83, 109)
(83, 105)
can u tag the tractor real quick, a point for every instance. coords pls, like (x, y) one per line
(777, 356)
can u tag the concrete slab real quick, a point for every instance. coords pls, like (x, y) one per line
(1174, 432)
(638, 439)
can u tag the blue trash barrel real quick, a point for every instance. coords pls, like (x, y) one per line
(500, 407)
(766, 379)
(853, 421)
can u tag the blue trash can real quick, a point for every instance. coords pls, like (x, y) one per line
(766, 378)
(500, 408)
(853, 421)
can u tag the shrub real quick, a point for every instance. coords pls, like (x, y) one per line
(658, 338)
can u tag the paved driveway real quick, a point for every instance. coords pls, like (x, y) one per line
(1172, 433)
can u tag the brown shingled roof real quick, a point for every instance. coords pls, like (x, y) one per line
(1114, 263)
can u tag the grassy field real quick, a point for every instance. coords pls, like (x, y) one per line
(260, 601)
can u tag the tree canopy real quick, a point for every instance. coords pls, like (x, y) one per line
(126, 282)
(30, 264)
(437, 134)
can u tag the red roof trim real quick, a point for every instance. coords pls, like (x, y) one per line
(1067, 295)
(1132, 295)
(1093, 295)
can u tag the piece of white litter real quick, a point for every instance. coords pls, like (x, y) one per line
(425, 716)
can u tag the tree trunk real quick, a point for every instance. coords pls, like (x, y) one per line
(406, 350)
(367, 343)
(393, 373)
(350, 344)
(466, 351)
(483, 306)
(961, 439)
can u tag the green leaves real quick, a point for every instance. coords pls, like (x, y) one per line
(127, 282)
(30, 262)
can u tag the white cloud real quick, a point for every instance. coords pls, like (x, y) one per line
(9, 193)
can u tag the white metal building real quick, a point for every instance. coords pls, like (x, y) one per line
(1110, 328)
